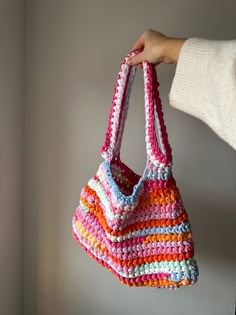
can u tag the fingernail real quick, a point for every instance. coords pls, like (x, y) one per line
(129, 62)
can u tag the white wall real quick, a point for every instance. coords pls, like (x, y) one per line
(11, 155)
(73, 53)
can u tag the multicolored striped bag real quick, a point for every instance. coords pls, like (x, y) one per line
(137, 226)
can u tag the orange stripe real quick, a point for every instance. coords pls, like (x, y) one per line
(135, 261)
(158, 196)
(168, 237)
(149, 259)
(127, 281)
(160, 237)
(155, 283)
(98, 212)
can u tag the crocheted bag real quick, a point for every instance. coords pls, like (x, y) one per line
(136, 226)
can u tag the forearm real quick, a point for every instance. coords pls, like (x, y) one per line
(205, 84)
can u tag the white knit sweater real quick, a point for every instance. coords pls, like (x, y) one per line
(205, 84)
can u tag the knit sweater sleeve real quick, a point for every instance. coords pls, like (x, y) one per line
(204, 84)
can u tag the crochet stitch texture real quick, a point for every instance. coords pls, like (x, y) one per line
(137, 226)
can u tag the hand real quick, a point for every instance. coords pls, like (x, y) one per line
(157, 48)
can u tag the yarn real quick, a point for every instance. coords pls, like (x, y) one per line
(137, 226)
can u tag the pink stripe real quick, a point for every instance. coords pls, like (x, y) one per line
(95, 227)
(174, 210)
(129, 281)
(135, 250)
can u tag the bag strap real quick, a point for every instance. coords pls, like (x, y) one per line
(124, 112)
(156, 156)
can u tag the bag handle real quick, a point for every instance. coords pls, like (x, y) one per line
(118, 114)
(124, 112)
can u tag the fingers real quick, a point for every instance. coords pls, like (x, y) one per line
(139, 44)
(137, 59)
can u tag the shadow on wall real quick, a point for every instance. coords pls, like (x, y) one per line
(213, 230)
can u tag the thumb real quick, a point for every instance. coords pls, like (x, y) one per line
(136, 59)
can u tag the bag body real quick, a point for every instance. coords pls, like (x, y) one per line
(137, 226)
